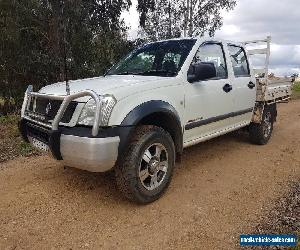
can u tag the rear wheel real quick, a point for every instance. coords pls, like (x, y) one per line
(260, 133)
(144, 172)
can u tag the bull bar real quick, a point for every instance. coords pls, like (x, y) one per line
(65, 102)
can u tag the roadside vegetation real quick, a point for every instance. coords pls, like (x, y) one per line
(296, 91)
(11, 143)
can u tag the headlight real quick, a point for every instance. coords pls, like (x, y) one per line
(87, 115)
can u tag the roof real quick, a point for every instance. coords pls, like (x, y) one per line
(202, 38)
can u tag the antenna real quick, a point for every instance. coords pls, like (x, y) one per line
(64, 47)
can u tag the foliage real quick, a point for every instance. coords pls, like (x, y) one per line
(296, 86)
(144, 7)
(37, 34)
(170, 19)
(296, 90)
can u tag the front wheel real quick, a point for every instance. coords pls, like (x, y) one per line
(144, 172)
(260, 133)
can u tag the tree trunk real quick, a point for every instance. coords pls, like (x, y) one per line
(190, 11)
(186, 18)
(170, 21)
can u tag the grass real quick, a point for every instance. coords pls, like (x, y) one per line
(296, 90)
(11, 142)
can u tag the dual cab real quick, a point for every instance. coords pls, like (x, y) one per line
(158, 100)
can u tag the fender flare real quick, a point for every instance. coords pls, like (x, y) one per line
(148, 108)
(135, 116)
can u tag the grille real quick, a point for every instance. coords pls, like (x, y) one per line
(44, 109)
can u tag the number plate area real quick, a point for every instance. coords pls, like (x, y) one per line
(39, 144)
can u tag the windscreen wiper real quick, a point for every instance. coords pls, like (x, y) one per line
(126, 73)
(157, 72)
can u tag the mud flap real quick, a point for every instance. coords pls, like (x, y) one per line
(258, 112)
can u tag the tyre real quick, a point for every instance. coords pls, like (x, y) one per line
(144, 172)
(260, 133)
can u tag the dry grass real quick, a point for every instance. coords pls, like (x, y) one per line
(11, 143)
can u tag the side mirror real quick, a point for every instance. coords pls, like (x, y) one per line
(201, 71)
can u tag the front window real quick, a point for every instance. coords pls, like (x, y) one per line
(213, 53)
(155, 59)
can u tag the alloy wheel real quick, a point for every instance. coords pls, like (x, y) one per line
(153, 166)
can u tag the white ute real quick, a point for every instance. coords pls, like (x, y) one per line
(158, 100)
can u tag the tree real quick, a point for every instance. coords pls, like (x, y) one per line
(144, 7)
(169, 19)
(37, 34)
(163, 21)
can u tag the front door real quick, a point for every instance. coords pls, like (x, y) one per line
(210, 101)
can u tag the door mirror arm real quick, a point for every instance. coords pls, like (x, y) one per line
(191, 76)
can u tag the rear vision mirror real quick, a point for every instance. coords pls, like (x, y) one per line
(201, 71)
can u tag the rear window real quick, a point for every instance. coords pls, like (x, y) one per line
(239, 61)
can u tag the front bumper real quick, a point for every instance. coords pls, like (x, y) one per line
(92, 154)
(76, 148)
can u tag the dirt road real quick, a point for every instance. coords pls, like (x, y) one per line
(217, 193)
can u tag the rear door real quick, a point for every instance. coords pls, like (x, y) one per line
(208, 102)
(244, 87)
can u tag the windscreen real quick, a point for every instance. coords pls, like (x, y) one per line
(155, 59)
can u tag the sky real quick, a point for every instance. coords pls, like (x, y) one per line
(256, 19)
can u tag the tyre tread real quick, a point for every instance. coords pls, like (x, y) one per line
(125, 171)
(256, 130)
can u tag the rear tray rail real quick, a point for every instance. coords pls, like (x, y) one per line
(270, 90)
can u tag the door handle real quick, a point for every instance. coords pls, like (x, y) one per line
(227, 87)
(251, 85)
